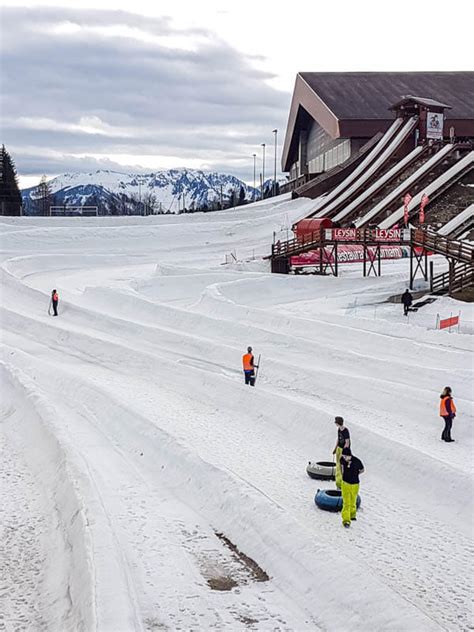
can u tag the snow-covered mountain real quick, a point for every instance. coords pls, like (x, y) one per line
(160, 191)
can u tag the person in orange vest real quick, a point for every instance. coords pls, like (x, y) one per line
(54, 302)
(447, 410)
(248, 364)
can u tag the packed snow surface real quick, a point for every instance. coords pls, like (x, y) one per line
(145, 487)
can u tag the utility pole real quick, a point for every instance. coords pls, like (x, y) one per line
(263, 170)
(275, 131)
(140, 195)
(254, 167)
(221, 198)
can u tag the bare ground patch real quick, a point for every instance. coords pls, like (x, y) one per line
(259, 575)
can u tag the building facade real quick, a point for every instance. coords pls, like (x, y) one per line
(333, 115)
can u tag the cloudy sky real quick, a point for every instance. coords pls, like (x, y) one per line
(146, 85)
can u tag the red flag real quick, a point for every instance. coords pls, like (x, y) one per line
(424, 201)
(406, 201)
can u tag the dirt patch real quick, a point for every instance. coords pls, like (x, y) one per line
(258, 574)
(466, 295)
(221, 583)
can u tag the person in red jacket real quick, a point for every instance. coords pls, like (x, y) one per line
(447, 410)
(54, 302)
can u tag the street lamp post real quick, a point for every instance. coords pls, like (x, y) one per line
(263, 170)
(140, 195)
(254, 167)
(275, 131)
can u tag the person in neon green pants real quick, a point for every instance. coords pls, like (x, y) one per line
(351, 467)
(343, 441)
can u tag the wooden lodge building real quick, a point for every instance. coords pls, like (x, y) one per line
(337, 117)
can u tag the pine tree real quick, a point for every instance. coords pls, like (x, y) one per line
(241, 195)
(10, 196)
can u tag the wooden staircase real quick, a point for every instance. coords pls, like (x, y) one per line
(460, 255)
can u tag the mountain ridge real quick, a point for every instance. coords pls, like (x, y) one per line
(122, 193)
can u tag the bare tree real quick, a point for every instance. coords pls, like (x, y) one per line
(149, 202)
(43, 197)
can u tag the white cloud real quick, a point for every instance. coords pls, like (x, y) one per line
(85, 125)
(164, 84)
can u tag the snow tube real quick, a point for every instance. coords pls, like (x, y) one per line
(331, 499)
(322, 470)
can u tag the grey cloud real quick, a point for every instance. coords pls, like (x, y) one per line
(176, 100)
(33, 166)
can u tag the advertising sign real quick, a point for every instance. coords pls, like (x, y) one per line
(434, 125)
(387, 234)
(349, 254)
(341, 234)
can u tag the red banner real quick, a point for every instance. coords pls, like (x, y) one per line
(406, 201)
(349, 254)
(424, 201)
(449, 322)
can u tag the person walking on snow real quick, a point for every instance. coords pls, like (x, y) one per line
(248, 364)
(351, 467)
(343, 441)
(407, 300)
(447, 410)
(54, 302)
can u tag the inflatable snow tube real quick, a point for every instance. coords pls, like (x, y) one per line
(322, 470)
(331, 499)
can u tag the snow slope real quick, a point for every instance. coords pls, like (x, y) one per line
(135, 454)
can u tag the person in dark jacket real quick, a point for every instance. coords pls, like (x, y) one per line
(447, 410)
(343, 441)
(407, 300)
(54, 302)
(351, 467)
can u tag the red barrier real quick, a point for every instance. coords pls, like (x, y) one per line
(449, 322)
